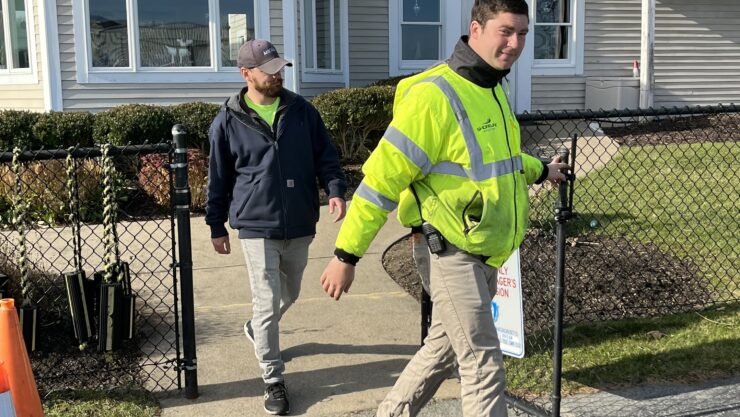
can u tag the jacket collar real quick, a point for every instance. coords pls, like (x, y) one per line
(237, 103)
(469, 65)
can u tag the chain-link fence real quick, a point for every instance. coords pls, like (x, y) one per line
(655, 232)
(51, 215)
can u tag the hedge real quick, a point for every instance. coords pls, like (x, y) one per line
(197, 118)
(133, 123)
(16, 129)
(64, 129)
(356, 118)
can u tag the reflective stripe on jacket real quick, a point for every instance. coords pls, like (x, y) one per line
(459, 145)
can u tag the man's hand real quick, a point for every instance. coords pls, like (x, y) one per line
(554, 170)
(221, 245)
(337, 278)
(340, 206)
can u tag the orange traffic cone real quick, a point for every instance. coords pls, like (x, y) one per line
(6, 400)
(17, 365)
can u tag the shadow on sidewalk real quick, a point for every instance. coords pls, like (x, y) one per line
(333, 348)
(307, 388)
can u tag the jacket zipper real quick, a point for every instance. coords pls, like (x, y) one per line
(513, 173)
(280, 175)
(273, 136)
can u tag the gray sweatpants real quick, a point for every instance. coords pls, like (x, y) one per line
(275, 270)
(462, 287)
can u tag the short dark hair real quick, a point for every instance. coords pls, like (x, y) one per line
(484, 10)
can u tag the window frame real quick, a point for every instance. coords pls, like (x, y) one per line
(574, 64)
(450, 17)
(135, 73)
(20, 76)
(317, 75)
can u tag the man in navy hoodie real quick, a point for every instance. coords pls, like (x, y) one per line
(268, 148)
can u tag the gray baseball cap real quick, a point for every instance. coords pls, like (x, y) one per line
(259, 53)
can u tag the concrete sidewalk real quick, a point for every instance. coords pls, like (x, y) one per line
(341, 357)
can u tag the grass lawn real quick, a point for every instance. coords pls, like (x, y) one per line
(133, 402)
(678, 348)
(684, 199)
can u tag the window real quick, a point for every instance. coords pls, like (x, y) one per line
(558, 37)
(164, 40)
(323, 38)
(15, 35)
(422, 32)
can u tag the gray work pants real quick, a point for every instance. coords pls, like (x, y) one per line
(462, 287)
(275, 270)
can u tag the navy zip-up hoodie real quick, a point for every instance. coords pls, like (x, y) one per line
(263, 178)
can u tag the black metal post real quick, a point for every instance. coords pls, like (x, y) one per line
(3, 285)
(181, 200)
(562, 214)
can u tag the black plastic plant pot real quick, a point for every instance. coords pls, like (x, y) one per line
(28, 318)
(93, 294)
(128, 316)
(4, 280)
(109, 324)
(80, 307)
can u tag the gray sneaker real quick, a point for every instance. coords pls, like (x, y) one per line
(248, 331)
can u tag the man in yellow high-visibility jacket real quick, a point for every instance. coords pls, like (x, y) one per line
(451, 163)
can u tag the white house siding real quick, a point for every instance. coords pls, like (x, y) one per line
(276, 25)
(697, 52)
(611, 43)
(368, 41)
(557, 92)
(27, 96)
(98, 97)
(307, 89)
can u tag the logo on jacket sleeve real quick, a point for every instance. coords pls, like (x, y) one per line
(486, 126)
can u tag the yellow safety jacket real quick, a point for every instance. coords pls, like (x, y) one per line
(458, 144)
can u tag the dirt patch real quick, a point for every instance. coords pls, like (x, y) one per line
(722, 127)
(606, 279)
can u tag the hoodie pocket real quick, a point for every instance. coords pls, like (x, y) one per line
(245, 198)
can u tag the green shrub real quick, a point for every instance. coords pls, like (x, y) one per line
(45, 191)
(356, 118)
(133, 123)
(392, 81)
(154, 178)
(16, 129)
(197, 118)
(64, 129)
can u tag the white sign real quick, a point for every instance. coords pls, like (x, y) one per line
(507, 308)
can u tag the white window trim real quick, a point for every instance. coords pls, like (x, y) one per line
(137, 74)
(21, 76)
(574, 64)
(317, 75)
(451, 16)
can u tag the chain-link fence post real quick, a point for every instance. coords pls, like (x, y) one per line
(181, 200)
(563, 212)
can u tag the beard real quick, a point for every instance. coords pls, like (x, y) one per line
(270, 89)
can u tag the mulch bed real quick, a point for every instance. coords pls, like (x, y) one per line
(606, 279)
